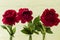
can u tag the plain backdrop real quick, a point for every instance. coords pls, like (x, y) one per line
(37, 6)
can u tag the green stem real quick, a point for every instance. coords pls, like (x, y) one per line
(44, 32)
(30, 37)
(11, 32)
(43, 36)
(8, 31)
(11, 37)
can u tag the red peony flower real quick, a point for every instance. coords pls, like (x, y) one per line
(9, 17)
(50, 17)
(25, 15)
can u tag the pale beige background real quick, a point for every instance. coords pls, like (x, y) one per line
(37, 6)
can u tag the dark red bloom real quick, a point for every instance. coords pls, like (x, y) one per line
(9, 17)
(25, 15)
(50, 17)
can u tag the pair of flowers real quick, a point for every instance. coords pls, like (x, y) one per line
(41, 23)
(10, 17)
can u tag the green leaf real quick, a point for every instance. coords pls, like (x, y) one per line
(48, 30)
(26, 31)
(37, 19)
(23, 31)
(31, 26)
(10, 27)
(14, 30)
(4, 27)
(36, 32)
(38, 26)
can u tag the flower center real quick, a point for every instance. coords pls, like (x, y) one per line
(49, 17)
(10, 19)
(26, 14)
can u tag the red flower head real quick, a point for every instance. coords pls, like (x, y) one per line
(24, 15)
(9, 17)
(50, 17)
